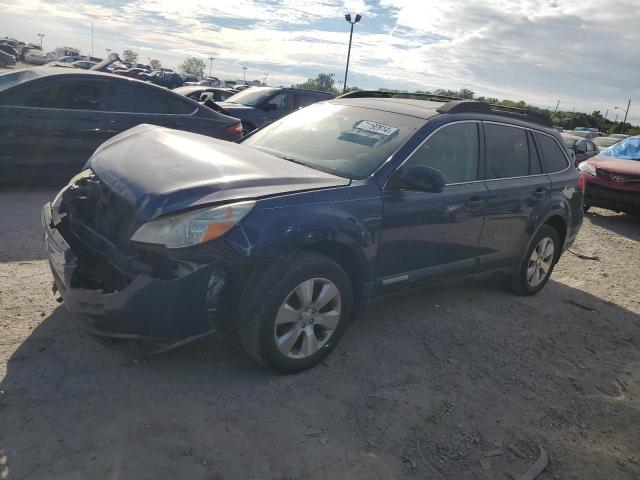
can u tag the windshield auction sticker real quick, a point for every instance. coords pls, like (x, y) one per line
(379, 128)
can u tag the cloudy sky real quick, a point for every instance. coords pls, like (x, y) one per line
(583, 53)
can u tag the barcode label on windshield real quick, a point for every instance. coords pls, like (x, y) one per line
(374, 127)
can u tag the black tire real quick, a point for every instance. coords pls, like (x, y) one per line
(520, 282)
(257, 333)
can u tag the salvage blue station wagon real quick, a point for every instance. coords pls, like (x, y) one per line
(169, 235)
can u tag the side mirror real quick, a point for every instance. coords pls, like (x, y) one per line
(421, 179)
(270, 106)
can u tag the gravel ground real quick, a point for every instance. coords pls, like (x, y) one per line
(462, 381)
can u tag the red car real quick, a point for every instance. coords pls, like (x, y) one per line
(612, 182)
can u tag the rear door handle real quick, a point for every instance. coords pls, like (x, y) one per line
(540, 192)
(474, 202)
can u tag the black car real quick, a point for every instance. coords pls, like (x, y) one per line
(169, 80)
(194, 92)
(9, 49)
(286, 235)
(257, 106)
(52, 119)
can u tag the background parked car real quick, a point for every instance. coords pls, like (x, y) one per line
(6, 48)
(582, 133)
(166, 79)
(612, 179)
(258, 106)
(35, 56)
(583, 148)
(52, 119)
(69, 59)
(131, 72)
(6, 59)
(195, 92)
(84, 64)
(605, 142)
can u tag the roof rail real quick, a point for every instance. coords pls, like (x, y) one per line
(383, 94)
(473, 106)
(459, 105)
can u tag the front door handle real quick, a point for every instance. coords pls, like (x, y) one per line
(540, 192)
(474, 202)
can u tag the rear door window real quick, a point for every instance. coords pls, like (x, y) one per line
(69, 96)
(507, 151)
(453, 150)
(553, 157)
(303, 100)
(134, 98)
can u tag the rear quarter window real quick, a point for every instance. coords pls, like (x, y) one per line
(553, 157)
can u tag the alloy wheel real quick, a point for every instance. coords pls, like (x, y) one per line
(307, 318)
(540, 262)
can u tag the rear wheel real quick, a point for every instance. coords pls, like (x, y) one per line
(535, 270)
(299, 321)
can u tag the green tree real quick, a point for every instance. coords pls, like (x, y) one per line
(155, 64)
(324, 82)
(193, 66)
(130, 57)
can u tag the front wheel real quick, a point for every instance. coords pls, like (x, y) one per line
(297, 323)
(535, 270)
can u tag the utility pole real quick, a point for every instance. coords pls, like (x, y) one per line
(625, 115)
(357, 18)
(557, 105)
(211, 59)
(244, 71)
(92, 39)
(41, 35)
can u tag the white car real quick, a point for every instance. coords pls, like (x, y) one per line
(35, 56)
(605, 142)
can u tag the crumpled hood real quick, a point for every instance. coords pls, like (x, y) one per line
(612, 164)
(159, 171)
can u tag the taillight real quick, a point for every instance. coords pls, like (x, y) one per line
(236, 129)
(582, 182)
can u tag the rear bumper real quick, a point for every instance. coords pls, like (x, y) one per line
(171, 310)
(613, 199)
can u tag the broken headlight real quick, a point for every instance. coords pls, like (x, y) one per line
(193, 227)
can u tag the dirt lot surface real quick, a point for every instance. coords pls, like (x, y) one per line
(462, 381)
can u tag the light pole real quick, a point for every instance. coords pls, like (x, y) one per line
(244, 71)
(265, 78)
(211, 59)
(108, 51)
(557, 105)
(357, 18)
(625, 115)
(41, 35)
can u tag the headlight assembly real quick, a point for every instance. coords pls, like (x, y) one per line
(193, 227)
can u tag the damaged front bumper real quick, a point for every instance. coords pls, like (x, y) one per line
(184, 306)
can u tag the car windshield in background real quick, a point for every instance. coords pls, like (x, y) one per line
(347, 141)
(251, 97)
(569, 142)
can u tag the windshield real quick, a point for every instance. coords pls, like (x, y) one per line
(347, 141)
(569, 142)
(251, 97)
